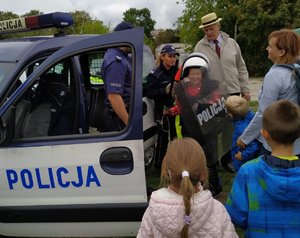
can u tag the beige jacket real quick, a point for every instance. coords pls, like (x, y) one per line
(230, 68)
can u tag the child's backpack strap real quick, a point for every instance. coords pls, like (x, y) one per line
(296, 69)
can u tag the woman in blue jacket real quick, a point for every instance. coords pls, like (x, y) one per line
(279, 83)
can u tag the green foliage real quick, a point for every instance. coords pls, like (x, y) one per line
(257, 19)
(140, 17)
(32, 13)
(149, 42)
(7, 15)
(189, 22)
(253, 105)
(166, 36)
(248, 21)
(80, 18)
(84, 24)
(95, 27)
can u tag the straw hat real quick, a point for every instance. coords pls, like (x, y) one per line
(209, 19)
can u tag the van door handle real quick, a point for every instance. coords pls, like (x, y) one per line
(117, 160)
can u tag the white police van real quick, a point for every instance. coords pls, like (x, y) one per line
(61, 173)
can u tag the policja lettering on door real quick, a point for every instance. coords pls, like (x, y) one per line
(51, 178)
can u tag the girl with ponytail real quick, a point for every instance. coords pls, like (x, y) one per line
(182, 208)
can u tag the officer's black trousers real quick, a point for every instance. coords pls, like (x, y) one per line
(112, 121)
(165, 130)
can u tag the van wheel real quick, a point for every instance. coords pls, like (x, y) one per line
(149, 156)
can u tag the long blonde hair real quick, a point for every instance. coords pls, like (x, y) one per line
(159, 58)
(184, 155)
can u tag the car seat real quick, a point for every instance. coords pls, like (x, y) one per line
(52, 111)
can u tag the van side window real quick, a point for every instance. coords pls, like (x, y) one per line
(68, 99)
(94, 88)
(48, 107)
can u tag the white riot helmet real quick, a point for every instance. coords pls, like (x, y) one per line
(195, 60)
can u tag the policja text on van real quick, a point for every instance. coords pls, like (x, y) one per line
(52, 178)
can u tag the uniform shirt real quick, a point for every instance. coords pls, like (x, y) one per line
(116, 72)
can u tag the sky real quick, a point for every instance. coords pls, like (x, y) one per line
(110, 12)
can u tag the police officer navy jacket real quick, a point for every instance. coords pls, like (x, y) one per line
(158, 79)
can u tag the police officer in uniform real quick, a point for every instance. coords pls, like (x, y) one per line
(116, 72)
(159, 89)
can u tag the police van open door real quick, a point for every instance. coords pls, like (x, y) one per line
(60, 175)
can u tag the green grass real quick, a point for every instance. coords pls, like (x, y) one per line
(253, 105)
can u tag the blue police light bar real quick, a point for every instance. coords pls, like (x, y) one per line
(56, 19)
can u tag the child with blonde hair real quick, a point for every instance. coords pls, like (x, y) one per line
(238, 109)
(183, 208)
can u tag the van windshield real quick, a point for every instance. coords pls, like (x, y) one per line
(5, 68)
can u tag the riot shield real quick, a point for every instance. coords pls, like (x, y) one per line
(204, 116)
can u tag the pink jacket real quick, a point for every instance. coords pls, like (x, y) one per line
(164, 216)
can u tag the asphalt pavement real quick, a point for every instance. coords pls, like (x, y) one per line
(255, 85)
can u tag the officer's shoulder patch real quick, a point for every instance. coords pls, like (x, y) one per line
(156, 72)
(118, 58)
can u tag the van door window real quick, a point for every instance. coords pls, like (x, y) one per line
(91, 64)
(67, 99)
(98, 105)
(48, 107)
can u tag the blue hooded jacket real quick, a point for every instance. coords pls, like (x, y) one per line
(265, 198)
(251, 150)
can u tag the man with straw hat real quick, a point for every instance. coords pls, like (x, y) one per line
(225, 56)
(227, 66)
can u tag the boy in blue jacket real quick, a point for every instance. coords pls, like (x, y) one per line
(265, 195)
(238, 109)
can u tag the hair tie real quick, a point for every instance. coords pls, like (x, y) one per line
(185, 173)
(187, 220)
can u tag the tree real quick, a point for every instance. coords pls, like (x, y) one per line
(80, 18)
(7, 15)
(248, 21)
(188, 23)
(140, 17)
(95, 27)
(256, 20)
(167, 36)
(84, 24)
(32, 13)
